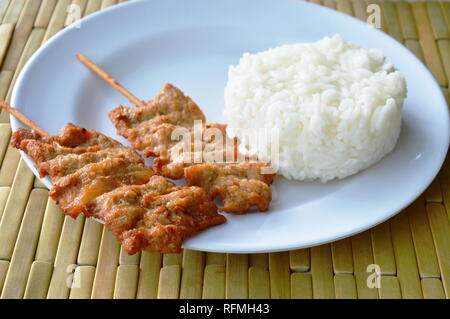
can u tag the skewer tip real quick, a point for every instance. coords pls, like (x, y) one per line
(22, 118)
(80, 56)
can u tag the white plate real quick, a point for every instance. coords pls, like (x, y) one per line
(145, 44)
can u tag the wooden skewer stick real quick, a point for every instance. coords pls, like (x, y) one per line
(109, 79)
(22, 118)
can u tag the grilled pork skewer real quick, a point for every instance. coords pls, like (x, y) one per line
(150, 126)
(96, 175)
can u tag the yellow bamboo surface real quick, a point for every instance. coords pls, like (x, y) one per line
(46, 255)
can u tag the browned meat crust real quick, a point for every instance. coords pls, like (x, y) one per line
(212, 150)
(71, 139)
(151, 129)
(156, 216)
(72, 192)
(71, 162)
(96, 175)
(148, 127)
(82, 164)
(241, 186)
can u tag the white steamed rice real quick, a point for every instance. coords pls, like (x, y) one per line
(337, 106)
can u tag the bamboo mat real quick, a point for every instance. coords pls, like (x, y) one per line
(43, 253)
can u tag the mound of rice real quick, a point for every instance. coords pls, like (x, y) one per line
(337, 106)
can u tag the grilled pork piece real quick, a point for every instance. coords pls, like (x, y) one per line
(240, 186)
(157, 215)
(154, 129)
(96, 175)
(149, 128)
